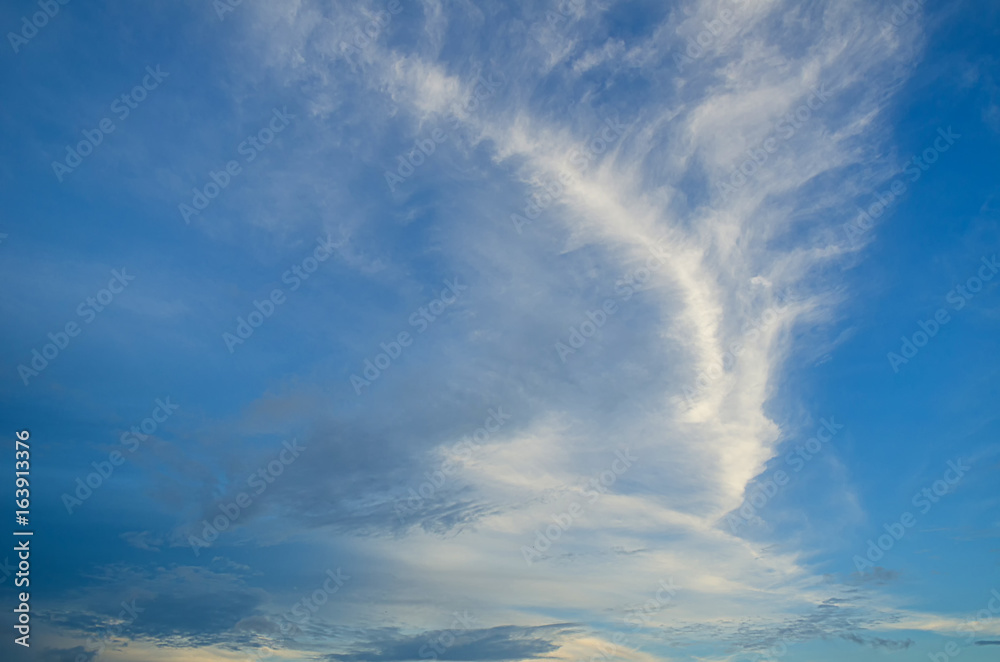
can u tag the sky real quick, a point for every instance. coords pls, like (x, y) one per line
(610, 330)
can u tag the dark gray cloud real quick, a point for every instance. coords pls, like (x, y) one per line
(352, 478)
(205, 618)
(496, 644)
(878, 642)
(834, 617)
(177, 606)
(67, 655)
(878, 575)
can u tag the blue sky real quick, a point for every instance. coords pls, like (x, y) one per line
(591, 330)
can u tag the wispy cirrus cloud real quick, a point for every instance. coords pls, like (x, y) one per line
(736, 162)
